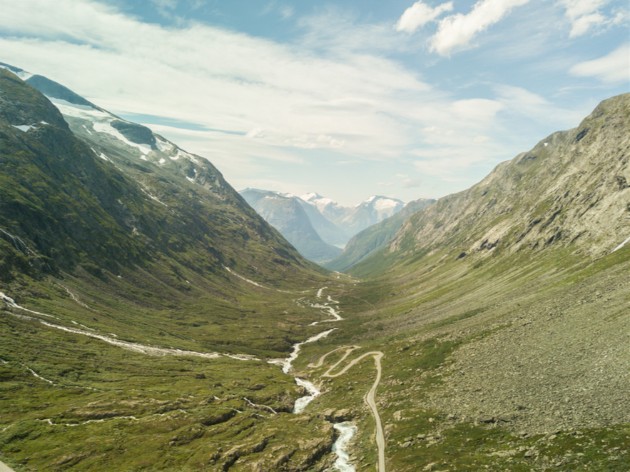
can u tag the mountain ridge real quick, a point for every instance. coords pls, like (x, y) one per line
(289, 217)
(567, 194)
(333, 224)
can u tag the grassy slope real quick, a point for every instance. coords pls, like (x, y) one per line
(505, 342)
(194, 409)
(144, 272)
(496, 366)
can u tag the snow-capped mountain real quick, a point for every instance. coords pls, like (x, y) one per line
(326, 206)
(373, 210)
(294, 219)
(352, 220)
(332, 223)
(162, 199)
(112, 137)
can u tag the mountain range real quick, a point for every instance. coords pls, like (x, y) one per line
(317, 226)
(289, 215)
(375, 237)
(154, 197)
(151, 319)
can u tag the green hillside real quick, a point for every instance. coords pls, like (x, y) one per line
(151, 320)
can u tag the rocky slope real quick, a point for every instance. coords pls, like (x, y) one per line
(504, 310)
(571, 190)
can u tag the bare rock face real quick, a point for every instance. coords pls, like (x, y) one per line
(570, 190)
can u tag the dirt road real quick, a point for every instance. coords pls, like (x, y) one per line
(370, 396)
(5, 468)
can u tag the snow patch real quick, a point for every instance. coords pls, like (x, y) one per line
(186, 155)
(107, 128)
(101, 121)
(24, 75)
(163, 145)
(84, 112)
(383, 204)
(23, 128)
(320, 202)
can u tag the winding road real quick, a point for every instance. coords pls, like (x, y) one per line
(5, 468)
(286, 364)
(370, 396)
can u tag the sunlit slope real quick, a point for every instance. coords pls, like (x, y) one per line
(571, 190)
(504, 312)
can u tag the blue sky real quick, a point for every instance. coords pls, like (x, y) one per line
(347, 98)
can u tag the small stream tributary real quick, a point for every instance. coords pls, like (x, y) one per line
(346, 429)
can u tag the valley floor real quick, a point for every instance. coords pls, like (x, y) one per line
(521, 367)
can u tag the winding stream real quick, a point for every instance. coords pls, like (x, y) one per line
(346, 430)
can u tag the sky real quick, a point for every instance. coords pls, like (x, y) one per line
(347, 98)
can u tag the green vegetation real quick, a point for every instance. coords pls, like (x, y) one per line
(504, 338)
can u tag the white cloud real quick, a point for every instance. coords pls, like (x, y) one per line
(476, 110)
(584, 23)
(213, 77)
(614, 67)
(419, 14)
(457, 31)
(287, 12)
(583, 15)
(339, 92)
(593, 15)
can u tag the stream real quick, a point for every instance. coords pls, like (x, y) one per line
(346, 429)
